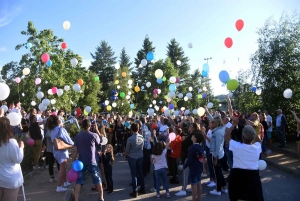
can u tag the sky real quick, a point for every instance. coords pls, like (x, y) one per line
(204, 23)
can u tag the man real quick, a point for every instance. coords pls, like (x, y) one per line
(147, 147)
(268, 137)
(85, 144)
(281, 124)
(134, 154)
(17, 109)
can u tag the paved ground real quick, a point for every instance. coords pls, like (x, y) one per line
(277, 185)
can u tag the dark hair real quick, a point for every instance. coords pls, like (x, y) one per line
(86, 124)
(158, 148)
(166, 121)
(142, 119)
(52, 122)
(178, 131)
(185, 130)
(59, 112)
(195, 126)
(171, 130)
(199, 136)
(16, 102)
(134, 127)
(31, 118)
(5, 131)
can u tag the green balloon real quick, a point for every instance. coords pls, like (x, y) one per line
(199, 95)
(166, 96)
(96, 78)
(164, 78)
(232, 84)
(122, 94)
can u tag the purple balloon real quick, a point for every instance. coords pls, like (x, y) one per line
(72, 175)
(204, 95)
(177, 80)
(171, 106)
(155, 91)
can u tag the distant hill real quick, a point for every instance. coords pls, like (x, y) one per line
(221, 97)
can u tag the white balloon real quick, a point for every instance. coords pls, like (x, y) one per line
(190, 88)
(117, 66)
(172, 79)
(127, 97)
(26, 71)
(154, 102)
(76, 87)
(190, 45)
(144, 62)
(187, 112)
(66, 88)
(180, 95)
(114, 104)
(60, 92)
(130, 86)
(106, 102)
(176, 113)
(262, 165)
(210, 105)
(4, 91)
(150, 105)
(4, 107)
(14, 118)
(118, 87)
(150, 112)
(258, 92)
(42, 107)
(204, 89)
(201, 111)
(148, 84)
(104, 141)
(66, 25)
(46, 102)
(88, 109)
(185, 98)
(159, 73)
(129, 92)
(189, 95)
(288, 93)
(130, 82)
(53, 101)
(182, 108)
(40, 95)
(159, 91)
(50, 92)
(156, 108)
(140, 65)
(195, 111)
(74, 62)
(33, 103)
(167, 112)
(178, 62)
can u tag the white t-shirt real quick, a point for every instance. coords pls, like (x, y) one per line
(269, 120)
(209, 135)
(245, 156)
(160, 161)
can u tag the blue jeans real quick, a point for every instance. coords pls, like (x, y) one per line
(136, 169)
(161, 174)
(210, 164)
(229, 156)
(93, 170)
(281, 136)
(263, 143)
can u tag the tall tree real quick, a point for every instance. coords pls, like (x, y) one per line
(176, 53)
(103, 66)
(124, 60)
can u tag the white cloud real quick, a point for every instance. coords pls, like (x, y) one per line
(86, 63)
(3, 49)
(7, 15)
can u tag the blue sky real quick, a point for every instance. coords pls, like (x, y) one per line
(125, 23)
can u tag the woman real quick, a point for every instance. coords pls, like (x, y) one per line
(36, 134)
(60, 155)
(11, 154)
(163, 130)
(255, 123)
(217, 151)
(119, 136)
(244, 181)
(262, 118)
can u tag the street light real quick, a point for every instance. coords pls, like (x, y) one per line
(206, 59)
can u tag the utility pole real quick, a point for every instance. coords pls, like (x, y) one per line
(206, 59)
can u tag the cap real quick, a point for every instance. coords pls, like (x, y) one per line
(279, 110)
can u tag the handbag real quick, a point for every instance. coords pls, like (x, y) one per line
(59, 144)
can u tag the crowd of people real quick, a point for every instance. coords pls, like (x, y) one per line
(217, 141)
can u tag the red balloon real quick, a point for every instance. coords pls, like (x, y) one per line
(239, 25)
(228, 42)
(64, 45)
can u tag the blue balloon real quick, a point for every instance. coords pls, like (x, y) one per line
(104, 121)
(49, 63)
(127, 124)
(113, 92)
(113, 97)
(77, 165)
(206, 67)
(150, 56)
(224, 76)
(102, 104)
(253, 88)
(172, 87)
(29, 45)
(171, 106)
(159, 80)
(131, 105)
(204, 73)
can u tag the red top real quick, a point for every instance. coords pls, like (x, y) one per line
(175, 145)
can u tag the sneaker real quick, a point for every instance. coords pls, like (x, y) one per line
(35, 167)
(204, 175)
(158, 196)
(161, 187)
(110, 192)
(207, 182)
(211, 184)
(117, 154)
(66, 184)
(52, 180)
(268, 152)
(153, 189)
(215, 192)
(180, 193)
(189, 190)
(61, 189)
(224, 191)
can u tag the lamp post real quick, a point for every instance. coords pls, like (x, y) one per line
(206, 59)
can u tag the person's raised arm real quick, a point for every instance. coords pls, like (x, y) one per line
(227, 135)
(210, 117)
(230, 110)
(295, 116)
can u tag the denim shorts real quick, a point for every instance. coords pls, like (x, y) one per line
(195, 179)
(93, 170)
(269, 134)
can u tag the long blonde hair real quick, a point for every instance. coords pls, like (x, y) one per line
(112, 153)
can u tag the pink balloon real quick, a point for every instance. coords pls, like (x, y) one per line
(18, 80)
(169, 100)
(45, 57)
(54, 113)
(30, 142)
(38, 81)
(172, 136)
(177, 80)
(72, 175)
(54, 90)
(155, 91)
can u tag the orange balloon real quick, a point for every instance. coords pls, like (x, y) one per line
(136, 88)
(123, 74)
(154, 95)
(80, 82)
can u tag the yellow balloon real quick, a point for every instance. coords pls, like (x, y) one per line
(117, 82)
(108, 108)
(136, 88)
(26, 71)
(85, 113)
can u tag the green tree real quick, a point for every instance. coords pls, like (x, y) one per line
(175, 52)
(103, 66)
(275, 65)
(125, 60)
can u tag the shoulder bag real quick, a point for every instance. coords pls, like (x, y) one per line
(59, 144)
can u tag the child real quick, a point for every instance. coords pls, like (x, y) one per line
(195, 164)
(108, 160)
(160, 167)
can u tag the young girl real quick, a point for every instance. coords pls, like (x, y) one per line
(108, 160)
(160, 167)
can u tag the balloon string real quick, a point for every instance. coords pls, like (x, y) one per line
(18, 92)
